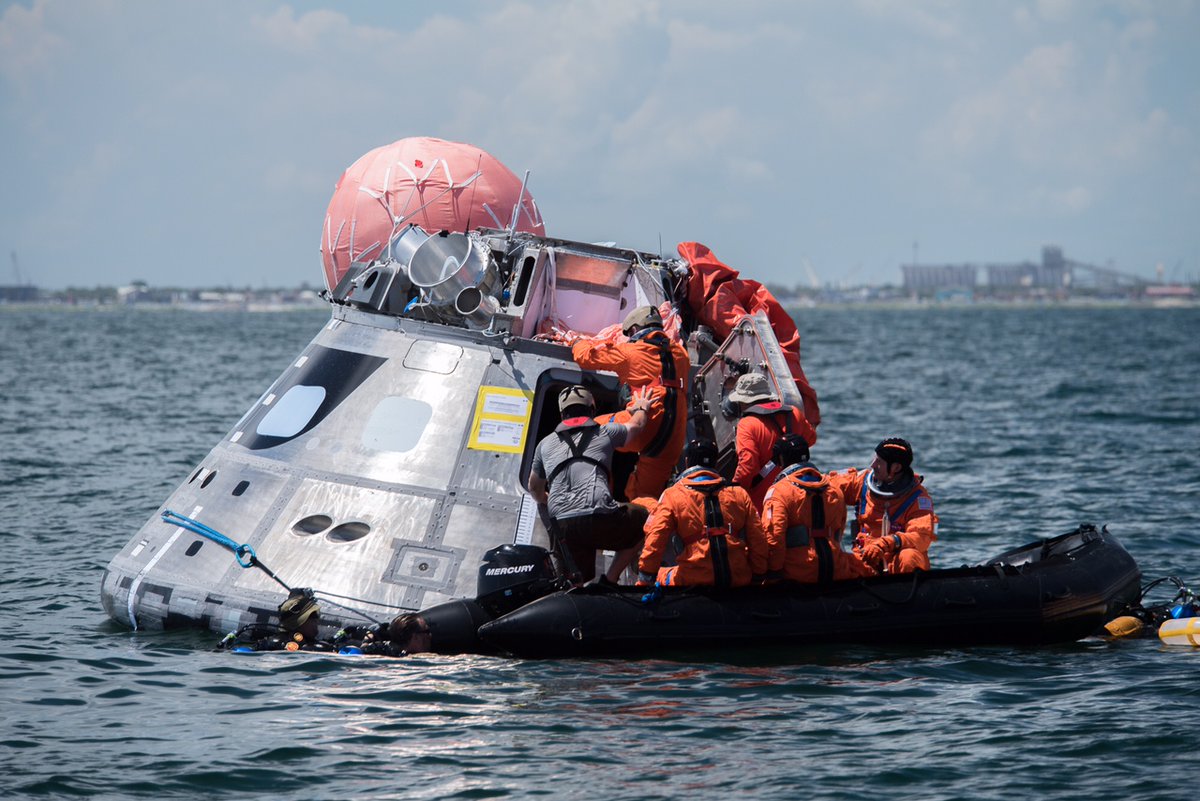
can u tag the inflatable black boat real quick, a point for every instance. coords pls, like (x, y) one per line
(1055, 590)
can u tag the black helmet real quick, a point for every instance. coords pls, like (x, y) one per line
(895, 450)
(790, 449)
(700, 452)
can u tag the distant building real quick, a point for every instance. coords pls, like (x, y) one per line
(25, 293)
(1054, 272)
(140, 292)
(929, 278)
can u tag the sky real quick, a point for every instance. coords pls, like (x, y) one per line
(198, 144)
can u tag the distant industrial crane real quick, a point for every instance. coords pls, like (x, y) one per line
(812, 274)
(1107, 276)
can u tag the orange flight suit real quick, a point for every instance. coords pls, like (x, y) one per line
(803, 518)
(723, 542)
(903, 526)
(758, 429)
(640, 363)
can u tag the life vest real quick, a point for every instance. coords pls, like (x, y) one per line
(816, 532)
(587, 428)
(716, 532)
(779, 416)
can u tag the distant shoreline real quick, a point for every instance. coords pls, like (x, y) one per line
(157, 308)
(791, 308)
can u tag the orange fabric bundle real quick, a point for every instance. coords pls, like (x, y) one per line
(720, 299)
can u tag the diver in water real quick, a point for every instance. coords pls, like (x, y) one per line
(408, 633)
(299, 621)
(894, 522)
(510, 576)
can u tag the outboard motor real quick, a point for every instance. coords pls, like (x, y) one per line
(512, 576)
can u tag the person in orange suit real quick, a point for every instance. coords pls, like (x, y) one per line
(723, 543)
(762, 422)
(803, 518)
(894, 519)
(649, 359)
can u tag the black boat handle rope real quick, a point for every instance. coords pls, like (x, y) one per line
(912, 593)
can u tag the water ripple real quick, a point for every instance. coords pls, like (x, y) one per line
(1024, 423)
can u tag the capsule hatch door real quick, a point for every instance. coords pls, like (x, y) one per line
(750, 347)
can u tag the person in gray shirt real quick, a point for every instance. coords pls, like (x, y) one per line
(571, 475)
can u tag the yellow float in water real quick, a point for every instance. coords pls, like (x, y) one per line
(1124, 626)
(1184, 631)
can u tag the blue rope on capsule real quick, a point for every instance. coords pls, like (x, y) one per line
(244, 553)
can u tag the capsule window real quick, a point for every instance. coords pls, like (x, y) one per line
(291, 413)
(321, 382)
(396, 424)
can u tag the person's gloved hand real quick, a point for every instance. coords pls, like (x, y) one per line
(876, 549)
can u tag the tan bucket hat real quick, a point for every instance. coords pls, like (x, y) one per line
(752, 388)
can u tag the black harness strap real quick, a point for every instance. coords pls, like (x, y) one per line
(663, 435)
(577, 448)
(815, 533)
(818, 508)
(718, 546)
(712, 509)
(820, 535)
(824, 559)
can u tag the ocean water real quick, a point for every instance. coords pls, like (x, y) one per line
(1025, 422)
